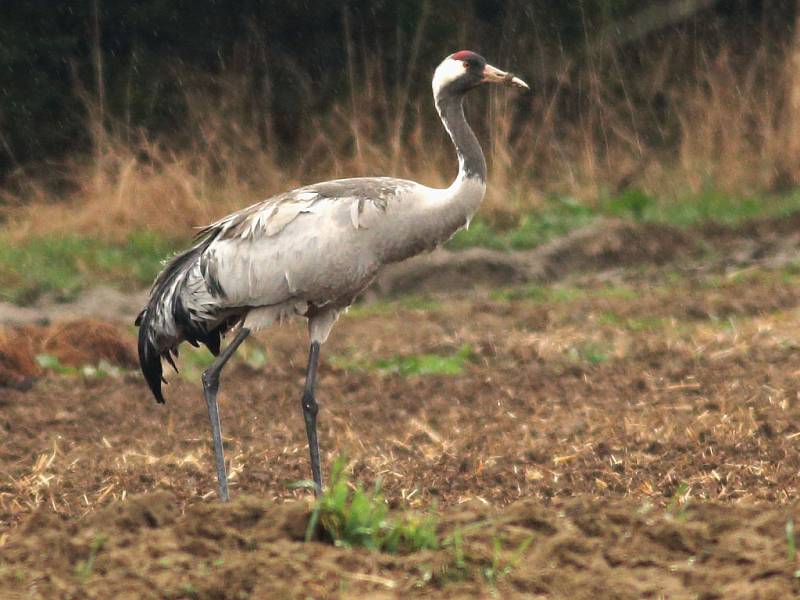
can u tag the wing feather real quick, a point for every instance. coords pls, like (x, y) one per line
(265, 254)
(271, 216)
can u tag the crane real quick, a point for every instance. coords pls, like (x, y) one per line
(309, 252)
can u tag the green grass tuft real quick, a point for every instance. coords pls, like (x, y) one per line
(558, 217)
(631, 203)
(410, 366)
(468, 560)
(353, 517)
(592, 352)
(479, 233)
(427, 364)
(537, 293)
(561, 215)
(48, 362)
(84, 569)
(498, 569)
(63, 266)
(679, 503)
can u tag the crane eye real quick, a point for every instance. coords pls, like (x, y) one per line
(470, 63)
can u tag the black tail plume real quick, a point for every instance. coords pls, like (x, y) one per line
(150, 358)
(165, 323)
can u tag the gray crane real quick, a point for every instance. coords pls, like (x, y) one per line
(309, 252)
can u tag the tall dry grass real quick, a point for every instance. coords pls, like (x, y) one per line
(677, 121)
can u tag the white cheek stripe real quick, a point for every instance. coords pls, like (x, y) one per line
(446, 72)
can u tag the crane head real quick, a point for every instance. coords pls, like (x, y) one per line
(465, 70)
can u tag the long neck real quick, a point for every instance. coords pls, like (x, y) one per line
(471, 163)
(433, 215)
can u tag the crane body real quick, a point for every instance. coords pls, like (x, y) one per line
(309, 252)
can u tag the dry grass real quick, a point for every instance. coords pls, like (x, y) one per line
(75, 343)
(17, 359)
(678, 121)
(85, 342)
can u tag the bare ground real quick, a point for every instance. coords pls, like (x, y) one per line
(641, 426)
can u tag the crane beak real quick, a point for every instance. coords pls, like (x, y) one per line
(494, 75)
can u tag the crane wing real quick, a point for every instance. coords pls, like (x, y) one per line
(266, 254)
(269, 217)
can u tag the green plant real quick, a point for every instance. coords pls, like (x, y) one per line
(479, 233)
(193, 361)
(679, 503)
(631, 203)
(497, 570)
(101, 369)
(64, 265)
(494, 570)
(408, 366)
(254, 356)
(427, 364)
(592, 352)
(459, 563)
(538, 293)
(558, 216)
(51, 363)
(791, 545)
(353, 517)
(83, 570)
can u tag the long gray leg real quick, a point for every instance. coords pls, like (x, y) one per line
(310, 409)
(210, 388)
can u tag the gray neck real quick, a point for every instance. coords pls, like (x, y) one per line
(471, 162)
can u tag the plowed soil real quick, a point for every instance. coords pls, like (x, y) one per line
(631, 435)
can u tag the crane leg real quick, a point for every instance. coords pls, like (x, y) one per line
(210, 388)
(310, 409)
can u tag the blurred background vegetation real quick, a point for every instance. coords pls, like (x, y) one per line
(118, 118)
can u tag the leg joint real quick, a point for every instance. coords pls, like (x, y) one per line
(211, 379)
(309, 403)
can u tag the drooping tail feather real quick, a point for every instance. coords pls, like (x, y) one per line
(150, 357)
(165, 322)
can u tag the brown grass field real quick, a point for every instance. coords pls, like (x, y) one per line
(673, 119)
(624, 426)
(625, 434)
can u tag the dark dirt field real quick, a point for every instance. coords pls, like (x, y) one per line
(629, 434)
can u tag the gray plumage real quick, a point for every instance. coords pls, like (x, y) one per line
(310, 251)
(306, 252)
